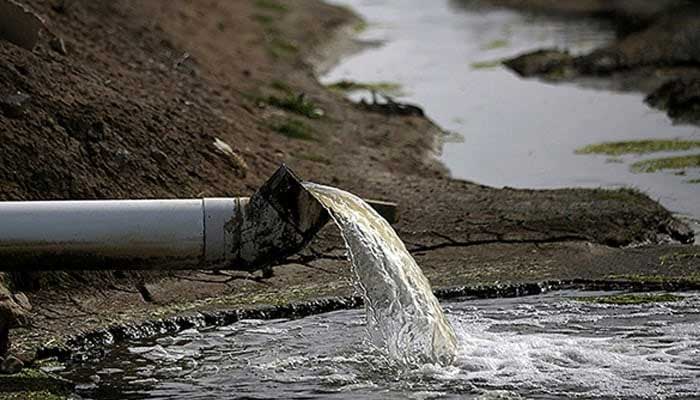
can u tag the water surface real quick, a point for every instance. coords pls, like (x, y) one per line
(515, 132)
(540, 347)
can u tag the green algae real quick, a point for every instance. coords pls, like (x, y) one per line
(32, 383)
(40, 395)
(632, 299)
(638, 147)
(495, 44)
(489, 64)
(659, 164)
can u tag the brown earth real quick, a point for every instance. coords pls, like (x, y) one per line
(133, 110)
(657, 52)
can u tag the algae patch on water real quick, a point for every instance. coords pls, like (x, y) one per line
(638, 147)
(658, 164)
(632, 299)
(489, 64)
(495, 44)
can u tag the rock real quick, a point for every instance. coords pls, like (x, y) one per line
(548, 62)
(680, 97)
(13, 309)
(14, 105)
(11, 365)
(58, 45)
(19, 25)
(158, 156)
(234, 158)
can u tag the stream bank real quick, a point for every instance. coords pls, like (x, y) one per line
(134, 110)
(656, 52)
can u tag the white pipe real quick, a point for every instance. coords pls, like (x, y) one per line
(187, 232)
(215, 233)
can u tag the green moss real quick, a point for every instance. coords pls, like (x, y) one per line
(41, 395)
(297, 104)
(33, 382)
(486, 64)
(295, 129)
(495, 44)
(279, 47)
(678, 257)
(352, 86)
(693, 181)
(659, 164)
(271, 5)
(622, 194)
(638, 278)
(638, 147)
(629, 299)
(360, 27)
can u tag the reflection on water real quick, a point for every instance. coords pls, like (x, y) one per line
(540, 347)
(518, 133)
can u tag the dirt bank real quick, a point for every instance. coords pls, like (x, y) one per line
(134, 108)
(657, 52)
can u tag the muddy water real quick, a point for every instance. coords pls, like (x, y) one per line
(514, 132)
(541, 347)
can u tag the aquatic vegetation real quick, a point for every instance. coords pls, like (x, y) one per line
(297, 104)
(631, 299)
(360, 27)
(486, 64)
(638, 147)
(41, 395)
(295, 129)
(352, 86)
(658, 164)
(495, 44)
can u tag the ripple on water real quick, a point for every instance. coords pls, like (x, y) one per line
(542, 347)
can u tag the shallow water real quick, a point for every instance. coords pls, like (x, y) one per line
(515, 132)
(542, 347)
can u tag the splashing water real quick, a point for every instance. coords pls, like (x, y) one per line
(403, 316)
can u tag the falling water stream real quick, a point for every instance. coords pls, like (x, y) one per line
(549, 346)
(403, 315)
